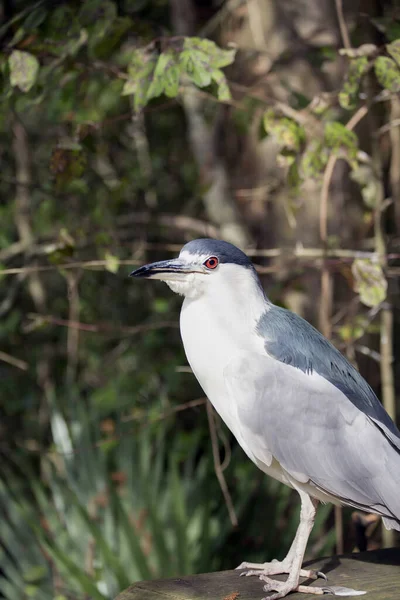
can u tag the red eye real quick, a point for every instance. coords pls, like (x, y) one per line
(211, 263)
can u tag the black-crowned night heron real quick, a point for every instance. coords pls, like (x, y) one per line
(297, 407)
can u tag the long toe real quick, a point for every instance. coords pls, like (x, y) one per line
(276, 568)
(250, 565)
(280, 589)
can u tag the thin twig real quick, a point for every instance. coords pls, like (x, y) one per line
(393, 124)
(173, 410)
(330, 167)
(142, 419)
(256, 24)
(217, 465)
(137, 130)
(288, 253)
(386, 325)
(72, 279)
(342, 24)
(15, 362)
(395, 160)
(181, 222)
(40, 320)
(326, 302)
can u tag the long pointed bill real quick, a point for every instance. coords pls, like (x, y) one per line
(167, 270)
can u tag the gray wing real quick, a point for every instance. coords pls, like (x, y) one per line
(293, 341)
(315, 432)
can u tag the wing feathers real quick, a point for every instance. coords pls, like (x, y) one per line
(316, 434)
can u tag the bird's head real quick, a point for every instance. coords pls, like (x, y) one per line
(203, 266)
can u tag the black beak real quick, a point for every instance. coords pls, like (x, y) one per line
(161, 269)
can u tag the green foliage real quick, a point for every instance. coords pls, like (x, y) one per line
(388, 73)
(354, 329)
(112, 262)
(369, 183)
(314, 160)
(291, 138)
(165, 77)
(115, 513)
(199, 61)
(348, 96)
(287, 132)
(341, 141)
(369, 281)
(24, 68)
(140, 72)
(394, 50)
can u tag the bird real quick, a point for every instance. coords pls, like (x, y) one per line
(298, 408)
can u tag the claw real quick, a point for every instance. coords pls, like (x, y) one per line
(311, 574)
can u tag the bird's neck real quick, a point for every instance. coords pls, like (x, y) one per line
(231, 308)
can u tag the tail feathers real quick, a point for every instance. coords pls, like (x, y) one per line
(391, 523)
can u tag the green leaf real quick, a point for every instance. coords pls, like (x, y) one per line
(133, 538)
(341, 141)
(337, 135)
(370, 185)
(140, 72)
(171, 81)
(349, 94)
(216, 57)
(166, 76)
(287, 132)
(369, 281)
(72, 47)
(196, 66)
(102, 544)
(314, 160)
(223, 91)
(24, 68)
(394, 50)
(75, 572)
(387, 73)
(130, 87)
(112, 263)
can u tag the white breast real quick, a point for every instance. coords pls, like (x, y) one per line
(209, 348)
(214, 333)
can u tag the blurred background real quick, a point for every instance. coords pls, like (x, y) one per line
(127, 129)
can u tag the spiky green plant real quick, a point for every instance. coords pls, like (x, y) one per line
(111, 508)
(110, 512)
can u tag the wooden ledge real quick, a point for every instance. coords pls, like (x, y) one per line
(376, 572)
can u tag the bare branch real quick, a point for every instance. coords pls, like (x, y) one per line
(217, 464)
(180, 222)
(342, 24)
(39, 320)
(15, 362)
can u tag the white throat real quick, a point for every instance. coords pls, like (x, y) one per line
(219, 322)
(217, 326)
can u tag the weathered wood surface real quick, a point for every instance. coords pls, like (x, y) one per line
(377, 573)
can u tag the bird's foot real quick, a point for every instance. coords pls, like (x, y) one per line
(276, 567)
(280, 589)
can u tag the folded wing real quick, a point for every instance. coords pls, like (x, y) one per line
(316, 433)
